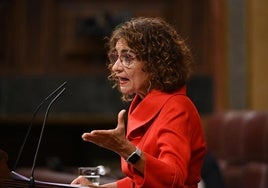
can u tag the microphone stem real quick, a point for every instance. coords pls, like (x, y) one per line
(31, 124)
(27, 135)
(42, 130)
(32, 183)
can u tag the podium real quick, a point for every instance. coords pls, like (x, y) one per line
(8, 181)
(12, 183)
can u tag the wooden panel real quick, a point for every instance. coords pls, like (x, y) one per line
(85, 48)
(257, 39)
(44, 37)
(13, 36)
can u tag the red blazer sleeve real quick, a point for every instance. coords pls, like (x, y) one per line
(124, 183)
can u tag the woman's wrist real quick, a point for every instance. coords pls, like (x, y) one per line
(134, 157)
(127, 149)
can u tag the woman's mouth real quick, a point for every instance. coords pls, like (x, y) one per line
(123, 80)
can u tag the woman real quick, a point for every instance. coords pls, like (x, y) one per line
(164, 144)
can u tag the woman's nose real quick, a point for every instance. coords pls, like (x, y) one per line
(117, 66)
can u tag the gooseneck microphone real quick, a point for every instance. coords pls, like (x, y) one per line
(31, 123)
(32, 182)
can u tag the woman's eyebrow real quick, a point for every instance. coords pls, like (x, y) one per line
(125, 50)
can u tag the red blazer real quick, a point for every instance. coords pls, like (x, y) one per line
(167, 128)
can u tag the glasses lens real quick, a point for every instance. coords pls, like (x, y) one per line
(113, 57)
(127, 59)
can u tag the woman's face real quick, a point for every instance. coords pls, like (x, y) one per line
(129, 71)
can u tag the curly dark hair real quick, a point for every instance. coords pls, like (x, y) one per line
(167, 58)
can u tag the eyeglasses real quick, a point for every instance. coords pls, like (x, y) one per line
(126, 58)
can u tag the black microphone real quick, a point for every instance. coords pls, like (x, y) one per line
(32, 182)
(31, 123)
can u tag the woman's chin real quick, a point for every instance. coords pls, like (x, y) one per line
(125, 91)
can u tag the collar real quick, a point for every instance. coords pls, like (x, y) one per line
(142, 111)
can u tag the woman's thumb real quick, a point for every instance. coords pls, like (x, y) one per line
(120, 120)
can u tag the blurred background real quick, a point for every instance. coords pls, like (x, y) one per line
(46, 42)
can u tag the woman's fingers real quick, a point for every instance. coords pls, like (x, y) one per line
(111, 139)
(81, 181)
(119, 130)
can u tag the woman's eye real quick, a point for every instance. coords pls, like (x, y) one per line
(113, 57)
(126, 57)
